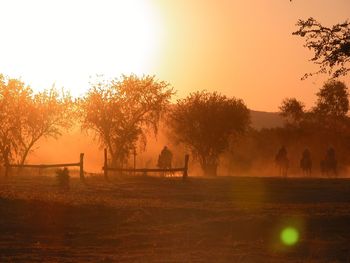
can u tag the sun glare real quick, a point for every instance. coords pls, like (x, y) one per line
(65, 42)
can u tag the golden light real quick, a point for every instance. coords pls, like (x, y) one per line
(66, 41)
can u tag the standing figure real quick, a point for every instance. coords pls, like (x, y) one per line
(282, 161)
(306, 162)
(165, 159)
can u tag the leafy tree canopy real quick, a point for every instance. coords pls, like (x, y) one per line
(205, 122)
(120, 111)
(331, 46)
(292, 110)
(333, 99)
(26, 117)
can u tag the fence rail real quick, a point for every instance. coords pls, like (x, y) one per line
(80, 164)
(43, 165)
(106, 168)
(145, 170)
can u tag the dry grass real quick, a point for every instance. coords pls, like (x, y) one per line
(145, 219)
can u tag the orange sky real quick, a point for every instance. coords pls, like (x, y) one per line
(242, 48)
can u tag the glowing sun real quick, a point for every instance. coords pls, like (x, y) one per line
(66, 42)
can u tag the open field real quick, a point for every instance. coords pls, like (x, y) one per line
(146, 219)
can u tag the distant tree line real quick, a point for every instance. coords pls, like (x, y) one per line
(325, 125)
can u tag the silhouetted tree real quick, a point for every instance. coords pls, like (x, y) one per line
(330, 110)
(331, 45)
(292, 110)
(332, 99)
(332, 106)
(205, 122)
(49, 113)
(26, 117)
(120, 111)
(14, 98)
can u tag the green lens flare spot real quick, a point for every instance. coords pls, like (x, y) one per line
(289, 236)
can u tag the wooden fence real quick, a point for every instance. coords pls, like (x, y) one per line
(105, 168)
(80, 164)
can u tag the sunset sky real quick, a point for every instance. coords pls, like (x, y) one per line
(240, 48)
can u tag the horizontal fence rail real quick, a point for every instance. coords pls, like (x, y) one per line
(80, 164)
(105, 168)
(144, 170)
(44, 165)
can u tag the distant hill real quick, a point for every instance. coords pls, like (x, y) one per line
(261, 119)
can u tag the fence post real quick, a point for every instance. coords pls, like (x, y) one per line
(105, 165)
(82, 167)
(185, 174)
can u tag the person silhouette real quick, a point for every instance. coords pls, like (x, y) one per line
(165, 159)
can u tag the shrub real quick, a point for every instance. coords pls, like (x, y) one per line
(62, 176)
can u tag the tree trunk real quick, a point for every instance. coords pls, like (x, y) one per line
(6, 157)
(27, 149)
(25, 154)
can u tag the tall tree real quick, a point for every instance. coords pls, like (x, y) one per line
(332, 99)
(26, 117)
(205, 122)
(292, 110)
(120, 111)
(14, 99)
(331, 45)
(48, 114)
(332, 106)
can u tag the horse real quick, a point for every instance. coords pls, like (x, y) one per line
(282, 162)
(306, 163)
(165, 160)
(329, 167)
(329, 164)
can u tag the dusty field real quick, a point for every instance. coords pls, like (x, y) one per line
(168, 220)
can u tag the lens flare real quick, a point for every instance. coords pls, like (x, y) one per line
(289, 236)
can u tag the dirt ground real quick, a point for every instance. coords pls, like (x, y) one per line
(148, 219)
